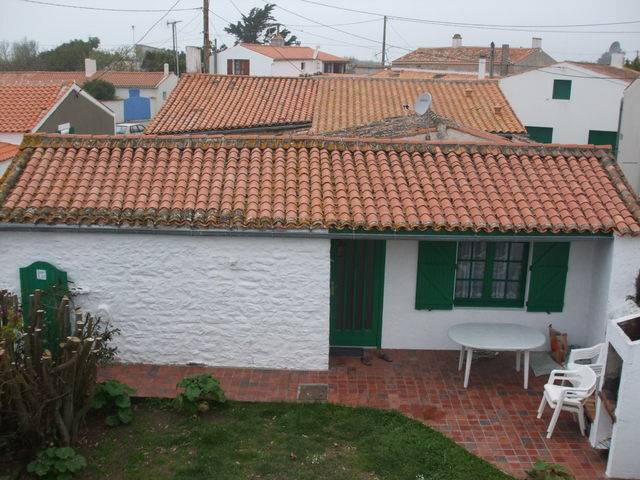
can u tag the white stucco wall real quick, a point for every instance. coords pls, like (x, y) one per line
(157, 97)
(629, 138)
(258, 64)
(12, 138)
(224, 301)
(293, 68)
(405, 327)
(594, 102)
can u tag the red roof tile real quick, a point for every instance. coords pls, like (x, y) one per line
(119, 79)
(348, 102)
(291, 52)
(316, 183)
(23, 106)
(609, 71)
(460, 55)
(221, 102)
(7, 151)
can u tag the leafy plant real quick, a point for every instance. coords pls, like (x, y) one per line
(100, 89)
(200, 393)
(113, 397)
(542, 470)
(57, 463)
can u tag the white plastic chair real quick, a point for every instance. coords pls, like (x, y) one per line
(582, 380)
(594, 355)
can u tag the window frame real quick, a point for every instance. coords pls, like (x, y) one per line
(486, 300)
(560, 89)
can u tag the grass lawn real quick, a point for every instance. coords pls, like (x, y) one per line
(278, 441)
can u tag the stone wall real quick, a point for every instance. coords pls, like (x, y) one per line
(224, 301)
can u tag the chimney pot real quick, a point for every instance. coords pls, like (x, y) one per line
(468, 92)
(277, 41)
(482, 67)
(497, 109)
(456, 41)
(166, 69)
(90, 67)
(617, 60)
(536, 42)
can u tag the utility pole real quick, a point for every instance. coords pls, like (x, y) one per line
(207, 44)
(384, 40)
(175, 44)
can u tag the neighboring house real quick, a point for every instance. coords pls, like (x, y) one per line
(63, 108)
(264, 252)
(278, 60)
(7, 152)
(570, 102)
(139, 95)
(424, 74)
(629, 136)
(507, 60)
(218, 103)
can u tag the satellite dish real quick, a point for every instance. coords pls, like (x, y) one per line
(423, 102)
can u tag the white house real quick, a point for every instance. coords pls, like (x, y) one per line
(629, 136)
(276, 59)
(570, 102)
(264, 252)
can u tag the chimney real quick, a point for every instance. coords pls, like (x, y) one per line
(166, 69)
(617, 60)
(277, 41)
(482, 67)
(456, 41)
(536, 42)
(504, 64)
(89, 67)
(316, 52)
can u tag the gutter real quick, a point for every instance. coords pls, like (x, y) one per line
(267, 128)
(310, 234)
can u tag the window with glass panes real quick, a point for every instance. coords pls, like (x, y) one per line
(491, 273)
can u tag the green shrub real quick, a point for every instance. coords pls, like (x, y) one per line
(548, 471)
(57, 463)
(200, 392)
(100, 89)
(113, 398)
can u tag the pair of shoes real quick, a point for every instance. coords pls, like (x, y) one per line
(383, 356)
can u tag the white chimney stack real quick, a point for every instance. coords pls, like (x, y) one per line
(617, 60)
(166, 69)
(482, 67)
(90, 67)
(316, 52)
(456, 41)
(536, 42)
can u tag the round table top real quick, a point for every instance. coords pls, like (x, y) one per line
(496, 336)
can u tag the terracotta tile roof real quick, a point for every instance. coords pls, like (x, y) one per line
(291, 52)
(349, 102)
(316, 183)
(203, 102)
(609, 71)
(23, 106)
(402, 73)
(460, 55)
(7, 151)
(119, 79)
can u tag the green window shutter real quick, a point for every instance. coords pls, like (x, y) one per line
(561, 89)
(540, 134)
(603, 137)
(436, 275)
(549, 266)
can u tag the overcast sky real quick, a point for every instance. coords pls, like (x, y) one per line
(51, 25)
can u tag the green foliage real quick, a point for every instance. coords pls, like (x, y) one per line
(100, 89)
(69, 56)
(57, 464)
(113, 398)
(258, 26)
(542, 470)
(20, 55)
(633, 64)
(154, 60)
(200, 392)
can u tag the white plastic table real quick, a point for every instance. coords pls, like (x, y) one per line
(495, 337)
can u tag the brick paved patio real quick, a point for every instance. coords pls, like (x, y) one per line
(494, 418)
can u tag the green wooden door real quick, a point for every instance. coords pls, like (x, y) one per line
(357, 287)
(43, 276)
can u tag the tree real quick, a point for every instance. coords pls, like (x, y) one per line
(20, 55)
(633, 64)
(69, 56)
(121, 59)
(100, 89)
(258, 27)
(154, 60)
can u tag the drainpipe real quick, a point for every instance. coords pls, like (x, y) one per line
(492, 55)
(504, 65)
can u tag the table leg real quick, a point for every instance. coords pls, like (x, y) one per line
(518, 355)
(467, 369)
(461, 359)
(526, 369)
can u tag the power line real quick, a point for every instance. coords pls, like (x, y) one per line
(104, 9)
(463, 24)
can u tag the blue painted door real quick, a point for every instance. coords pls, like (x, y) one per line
(136, 107)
